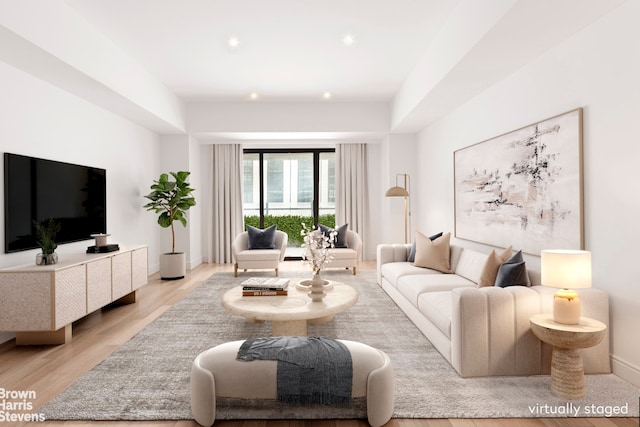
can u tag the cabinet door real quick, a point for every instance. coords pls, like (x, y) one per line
(70, 295)
(121, 275)
(25, 301)
(98, 284)
(139, 269)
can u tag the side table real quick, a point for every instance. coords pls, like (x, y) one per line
(567, 371)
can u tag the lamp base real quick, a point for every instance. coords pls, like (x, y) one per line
(567, 307)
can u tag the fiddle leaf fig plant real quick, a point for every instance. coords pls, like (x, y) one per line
(171, 199)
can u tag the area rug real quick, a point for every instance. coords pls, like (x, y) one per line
(148, 377)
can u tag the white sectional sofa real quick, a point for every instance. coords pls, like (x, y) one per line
(482, 331)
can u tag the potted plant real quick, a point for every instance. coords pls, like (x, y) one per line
(171, 199)
(46, 239)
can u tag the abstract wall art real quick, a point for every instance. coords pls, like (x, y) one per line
(523, 188)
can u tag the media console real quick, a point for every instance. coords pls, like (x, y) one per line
(40, 303)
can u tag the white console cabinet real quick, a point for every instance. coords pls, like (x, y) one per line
(40, 303)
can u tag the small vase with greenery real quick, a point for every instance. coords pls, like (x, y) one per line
(171, 199)
(46, 234)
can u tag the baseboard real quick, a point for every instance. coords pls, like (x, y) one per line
(625, 370)
(6, 336)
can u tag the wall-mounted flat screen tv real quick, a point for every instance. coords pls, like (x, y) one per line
(39, 190)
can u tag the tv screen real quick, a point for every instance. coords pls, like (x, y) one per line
(39, 190)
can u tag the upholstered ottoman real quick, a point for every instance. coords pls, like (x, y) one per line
(217, 373)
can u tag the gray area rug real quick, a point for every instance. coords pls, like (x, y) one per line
(148, 377)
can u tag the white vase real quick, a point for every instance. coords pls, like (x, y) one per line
(173, 266)
(317, 293)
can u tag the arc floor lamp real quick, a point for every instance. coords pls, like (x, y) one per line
(403, 192)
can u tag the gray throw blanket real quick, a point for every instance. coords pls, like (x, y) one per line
(311, 370)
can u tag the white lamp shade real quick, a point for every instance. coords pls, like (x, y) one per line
(568, 269)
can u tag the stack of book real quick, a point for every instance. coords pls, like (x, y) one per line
(258, 286)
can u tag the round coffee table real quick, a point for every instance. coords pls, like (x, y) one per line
(290, 313)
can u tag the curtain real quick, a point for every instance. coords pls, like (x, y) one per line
(352, 199)
(226, 219)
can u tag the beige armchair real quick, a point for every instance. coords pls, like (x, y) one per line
(246, 258)
(350, 256)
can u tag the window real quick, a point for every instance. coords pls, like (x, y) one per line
(288, 188)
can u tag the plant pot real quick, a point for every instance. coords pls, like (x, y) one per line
(46, 259)
(173, 266)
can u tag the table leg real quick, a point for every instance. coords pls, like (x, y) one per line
(289, 328)
(320, 320)
(567, 373)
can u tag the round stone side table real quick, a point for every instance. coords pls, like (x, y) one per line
(567, 371)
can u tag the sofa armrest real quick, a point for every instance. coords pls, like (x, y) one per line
(354, 242)
(386, 253)
(491, 333)
(240, 243)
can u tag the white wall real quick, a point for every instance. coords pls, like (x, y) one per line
(182, 153)
(596, 69)
(398, 156)
(41, 120)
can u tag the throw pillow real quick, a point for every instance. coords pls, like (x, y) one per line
(412, 253)
(513, 272)
(433, 254)
(490, 269)
(340, 239)
(262, 239)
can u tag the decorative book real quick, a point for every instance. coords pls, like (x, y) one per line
(265, 284)
(263, 293)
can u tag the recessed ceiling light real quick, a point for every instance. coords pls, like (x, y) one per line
(233, 42)
(326, 95)
(349, 40)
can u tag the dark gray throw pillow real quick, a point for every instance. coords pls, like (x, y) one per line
(262, 239)
(513, 272)
(340, 239)
(412, 254)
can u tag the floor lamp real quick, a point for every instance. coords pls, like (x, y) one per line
(403, 192)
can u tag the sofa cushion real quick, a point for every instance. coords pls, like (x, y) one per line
(392, 271)
(262, 239)
(433, 254)
(412, 253)
(436, 307)
(343, 253)
(471, 264)
(513, 272)
(340, 238)
(490, 269)
(411, 287)
(258, 255)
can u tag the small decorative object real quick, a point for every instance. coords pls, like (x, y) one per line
(171, 200)
(567, 270)
(101, 239)
(46, 235)
(317, 253)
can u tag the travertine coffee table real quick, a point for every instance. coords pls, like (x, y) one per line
(567, 371)
(290, 313)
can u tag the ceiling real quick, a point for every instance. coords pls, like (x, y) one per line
(288, 49)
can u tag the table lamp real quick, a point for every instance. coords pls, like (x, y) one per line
(567, 270)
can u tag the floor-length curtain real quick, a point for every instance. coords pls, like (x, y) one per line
(352, 199)
(226, 219)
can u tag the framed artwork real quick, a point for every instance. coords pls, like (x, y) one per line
(523, 188)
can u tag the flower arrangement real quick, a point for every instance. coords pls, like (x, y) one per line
(317, 247)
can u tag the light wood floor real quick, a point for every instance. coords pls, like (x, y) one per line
(48, 370)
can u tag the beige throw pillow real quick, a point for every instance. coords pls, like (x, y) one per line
(490, 269)
(433, 254)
